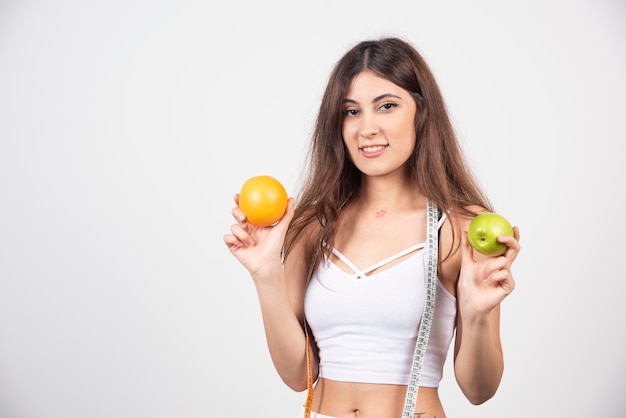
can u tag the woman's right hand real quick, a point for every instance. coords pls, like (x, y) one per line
(258, 249)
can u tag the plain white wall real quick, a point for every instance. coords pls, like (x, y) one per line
(127, 125)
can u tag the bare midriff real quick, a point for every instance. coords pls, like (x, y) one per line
(370, 400)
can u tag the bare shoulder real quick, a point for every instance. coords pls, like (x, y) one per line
(449, 244)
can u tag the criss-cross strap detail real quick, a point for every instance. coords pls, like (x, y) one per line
(360, 273)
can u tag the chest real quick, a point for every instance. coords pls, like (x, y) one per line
(366, 240)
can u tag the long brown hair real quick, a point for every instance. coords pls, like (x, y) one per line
(437, 166)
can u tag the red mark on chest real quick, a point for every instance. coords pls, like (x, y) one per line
(381, 213)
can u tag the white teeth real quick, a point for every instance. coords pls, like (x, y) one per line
(373, 149)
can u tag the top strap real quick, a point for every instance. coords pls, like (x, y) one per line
(359, 273)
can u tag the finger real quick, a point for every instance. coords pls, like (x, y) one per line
(492, 265)
(496, 270)
(289, 212)
(466, 248)
(242, 235)
(503, 279)
(283, 223)
(238, 215)
(236, 199)
(232, 241)
(512, 242)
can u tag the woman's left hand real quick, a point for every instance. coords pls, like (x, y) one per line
(485, 281)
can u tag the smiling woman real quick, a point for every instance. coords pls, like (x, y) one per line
(364, 282)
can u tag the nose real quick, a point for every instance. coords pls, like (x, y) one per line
(369, 126)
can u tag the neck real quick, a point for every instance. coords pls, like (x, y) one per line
(381, 195)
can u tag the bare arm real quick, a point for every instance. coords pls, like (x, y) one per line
(479, 361)
(483, 283)
(280, 289)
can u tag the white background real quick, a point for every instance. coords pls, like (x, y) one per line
(127, 125)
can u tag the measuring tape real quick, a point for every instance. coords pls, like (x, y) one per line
(309, 374)
(432, 249)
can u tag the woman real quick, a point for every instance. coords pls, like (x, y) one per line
(346, 264)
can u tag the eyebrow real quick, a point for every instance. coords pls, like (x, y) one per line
(376, 99)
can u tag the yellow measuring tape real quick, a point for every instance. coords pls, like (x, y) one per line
(309, 374)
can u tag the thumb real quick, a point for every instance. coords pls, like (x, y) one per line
(284, 222)
(466, 248)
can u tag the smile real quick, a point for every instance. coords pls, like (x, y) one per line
(374, 149)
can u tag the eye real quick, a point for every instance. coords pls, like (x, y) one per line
(387, 106)
(350, 112)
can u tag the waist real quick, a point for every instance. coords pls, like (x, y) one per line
(371, 400)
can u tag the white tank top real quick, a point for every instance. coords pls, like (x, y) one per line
(366, 327)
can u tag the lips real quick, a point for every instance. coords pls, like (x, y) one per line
(373, 150)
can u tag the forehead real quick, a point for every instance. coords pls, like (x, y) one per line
(367, 85)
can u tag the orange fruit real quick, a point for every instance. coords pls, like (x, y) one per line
(263, 200)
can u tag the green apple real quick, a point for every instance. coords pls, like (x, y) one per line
(484, 230)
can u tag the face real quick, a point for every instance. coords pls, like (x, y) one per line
(378, 125)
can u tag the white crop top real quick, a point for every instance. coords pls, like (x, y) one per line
(366, 327)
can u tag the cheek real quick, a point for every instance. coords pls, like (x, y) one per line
(347, 132)
(404, 128)
(350, 144)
